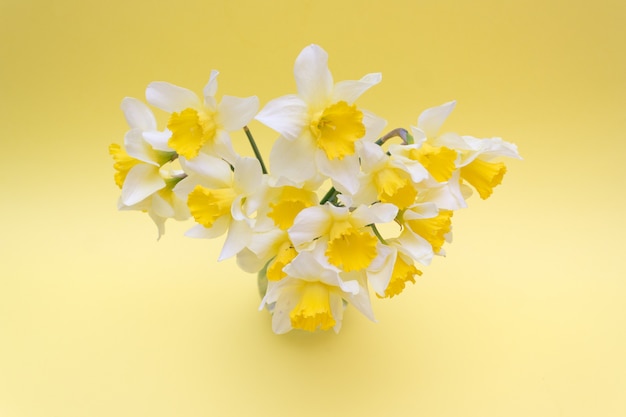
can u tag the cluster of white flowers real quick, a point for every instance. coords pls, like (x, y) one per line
(342, 210)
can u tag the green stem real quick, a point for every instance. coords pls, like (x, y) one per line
(330, 195)
(406, 137)
(377, 233)
(255, 149)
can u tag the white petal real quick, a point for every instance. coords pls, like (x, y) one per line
(419, 136)
(344, 172)
(313, 77)
(374, 126)
(309, 224)
(218, 229)
(234, 112)
(238, 236)
(161, 207)
(431, 120)
(380, 270)
(138, 148)
(158, 140)
(306, 267)
(159, 222)
(421, 211)
(170, 97)
(447, 196)
(292, 160)
(361, 302)
(416, 247)
(210, 167)
(248, 175)
(377, 213)
(349, 91)
(288, 115)
(249, 261)
(137, 114)
(142, 181)
(336, 309)
(371, 156)
(210, 89)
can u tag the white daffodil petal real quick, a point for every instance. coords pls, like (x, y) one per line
(138, 148)
(234, 112)
(248, 175)
(336, 309)
(374, 126)
(238, 236)
(171, 98)
(292, 160)
(159, 222)
(371, 156)
(421, 211)
(344, 172)
(137, 114)
(377, 213)
(381, 268)
(418, 247)
(249, 262)
(349, 91)
(210, 167)
(287, 115)
(313, 78)
(419, 136)
(161, 207)
(218, 229)
(361, 301)
(309, 224)
(142, 181)
(158, 140)
(210, 89)
(431, 120)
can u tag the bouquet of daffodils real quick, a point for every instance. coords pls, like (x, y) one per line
(347, 209)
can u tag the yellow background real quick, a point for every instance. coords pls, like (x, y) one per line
(525, 316)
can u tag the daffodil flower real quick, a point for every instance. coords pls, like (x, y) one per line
(310, 297)
(222, 200)
(387, 179)
(477, 164)
(426, 228)
(321, 125)
(397, 268)
(348, 242)
(144, 173)
(270, 240)
(201, 125)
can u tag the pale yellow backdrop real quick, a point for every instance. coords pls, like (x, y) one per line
(525, 316)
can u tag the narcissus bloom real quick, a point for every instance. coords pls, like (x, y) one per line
(143, 168)
(311, 297)
(201, 125)
(222, 200)
(320, 126)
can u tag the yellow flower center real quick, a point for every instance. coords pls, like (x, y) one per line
(207, 205)
(433, 229)
(292, 201)
(438, 160)
(313, 309)
(349, 248)
(402, 272)
(337, 128)
(483, 176)
(395, 187)
(285, 255)
(191, 129)
(122, 163)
